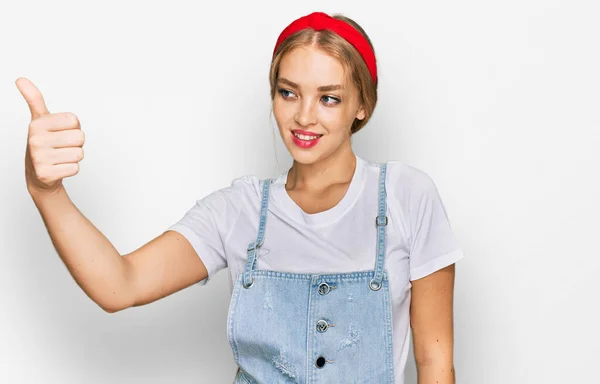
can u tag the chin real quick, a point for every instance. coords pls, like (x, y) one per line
(304, 157)
(306, 160)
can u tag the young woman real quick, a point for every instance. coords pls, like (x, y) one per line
(330, 263)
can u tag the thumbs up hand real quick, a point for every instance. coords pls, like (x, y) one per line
(54, 143)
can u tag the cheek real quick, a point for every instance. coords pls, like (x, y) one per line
(282, 112)
(335, 119)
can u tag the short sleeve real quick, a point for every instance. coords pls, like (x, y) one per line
(433, 244)
(206, 226)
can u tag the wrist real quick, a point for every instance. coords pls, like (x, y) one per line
(40, 194)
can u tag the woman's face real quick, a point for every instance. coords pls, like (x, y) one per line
(314, 97)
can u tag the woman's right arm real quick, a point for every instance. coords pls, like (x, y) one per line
(163, 266)
(159, 268)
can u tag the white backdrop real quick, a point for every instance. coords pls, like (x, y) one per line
(496, 101)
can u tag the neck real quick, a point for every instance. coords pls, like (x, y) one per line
(337, 168)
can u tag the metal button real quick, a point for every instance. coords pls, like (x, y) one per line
(375, 286)
(320, 362)
(381, 221)
(323, 289)
(322, 326)
(249, 285)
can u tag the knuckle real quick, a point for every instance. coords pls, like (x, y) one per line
(33, 141)
(79, 154)
(37, 161)
(35, 158)
(44, 175)
(78, 138)
(72, 119)
(34, 153)
(34, 125)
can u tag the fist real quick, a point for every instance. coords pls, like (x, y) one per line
(54, 142)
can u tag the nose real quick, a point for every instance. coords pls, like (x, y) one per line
(307, 113)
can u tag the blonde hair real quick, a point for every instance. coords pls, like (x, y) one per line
(336, 46)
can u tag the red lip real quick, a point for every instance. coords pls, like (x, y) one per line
(307, 133)
(306, 144)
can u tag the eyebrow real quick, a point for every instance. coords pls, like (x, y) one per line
(324, 88)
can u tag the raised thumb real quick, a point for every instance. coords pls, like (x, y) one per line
(33, 97)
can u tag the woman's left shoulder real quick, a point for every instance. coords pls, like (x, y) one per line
(407, 178)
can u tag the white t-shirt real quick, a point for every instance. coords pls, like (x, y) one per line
(419, 237)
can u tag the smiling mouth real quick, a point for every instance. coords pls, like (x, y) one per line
(306, 137)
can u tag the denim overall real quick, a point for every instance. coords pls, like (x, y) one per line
(312, 328)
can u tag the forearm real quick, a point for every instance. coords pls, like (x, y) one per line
(436, 373)
(91, 259)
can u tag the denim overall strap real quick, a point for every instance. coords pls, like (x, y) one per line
(381, 222)
(255, 245)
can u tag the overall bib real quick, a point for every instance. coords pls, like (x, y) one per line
(309, 328)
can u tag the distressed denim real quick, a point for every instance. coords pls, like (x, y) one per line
(312, 328)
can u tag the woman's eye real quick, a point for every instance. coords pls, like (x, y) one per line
(330, 100)
(285, 93)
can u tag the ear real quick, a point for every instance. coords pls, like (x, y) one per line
(361, 114)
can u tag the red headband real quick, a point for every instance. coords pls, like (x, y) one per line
(319, 21)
